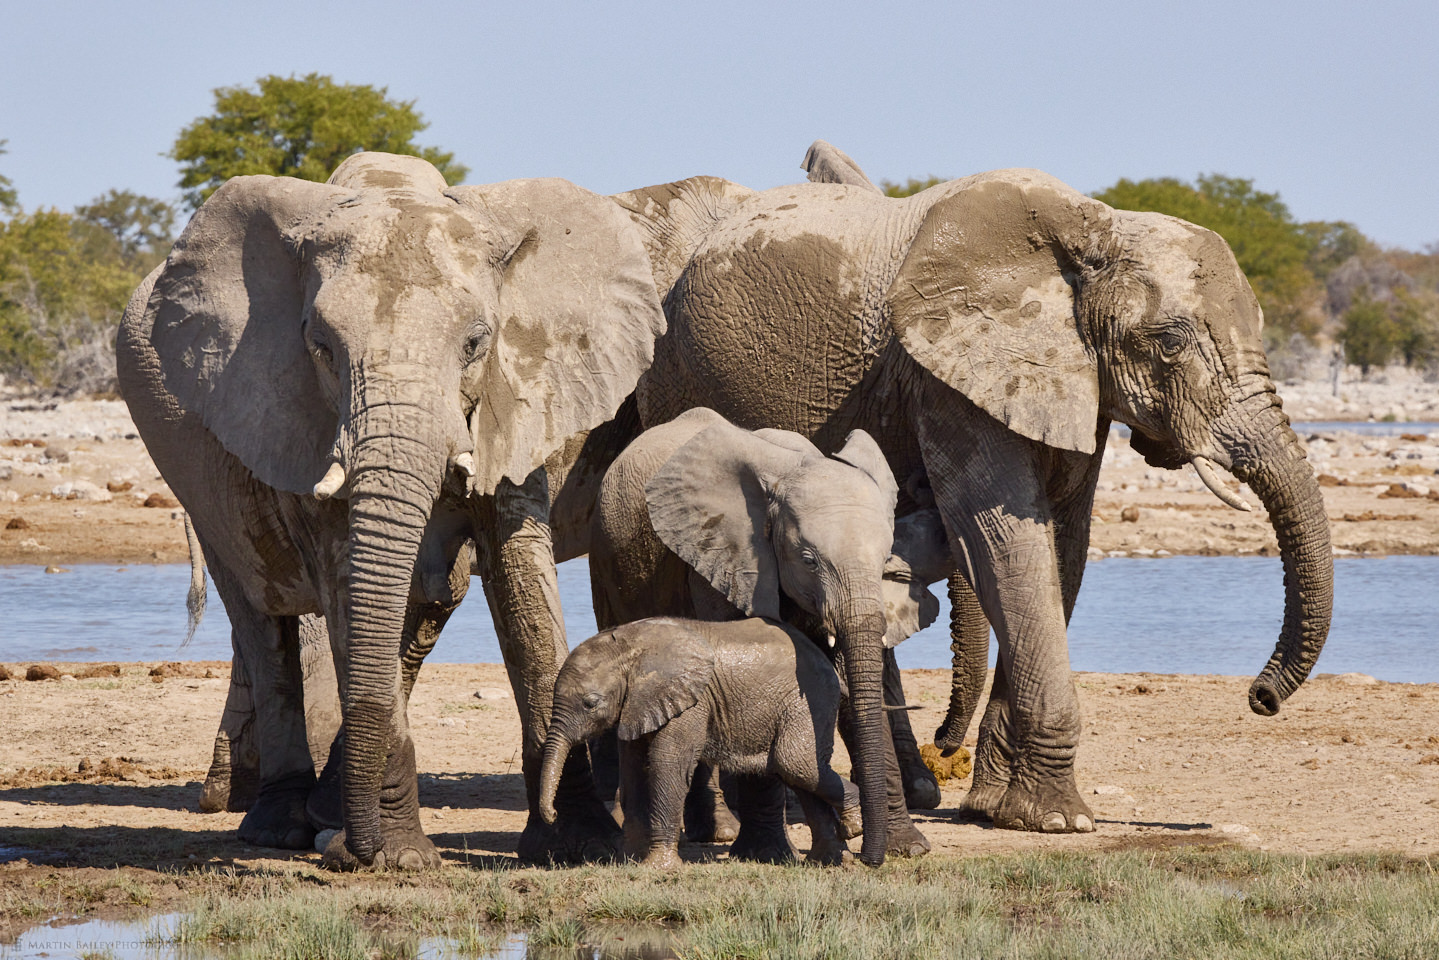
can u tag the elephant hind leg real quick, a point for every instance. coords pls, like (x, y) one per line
(233, 780)
(992, 754)
(921, 789)
(707, 817)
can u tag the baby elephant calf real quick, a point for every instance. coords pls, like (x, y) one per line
(750, 696)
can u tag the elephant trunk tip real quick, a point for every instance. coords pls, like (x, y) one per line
(547, 811)
(1264, 698)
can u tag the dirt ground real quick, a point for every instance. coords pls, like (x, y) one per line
(1349, 764)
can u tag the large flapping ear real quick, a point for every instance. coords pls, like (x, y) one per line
(920, 556)
(826, 163)
(578, 317)
(861, 452)
(674, 217)
(709, 504)
(224, 323)
(984, 301)
(668, 678)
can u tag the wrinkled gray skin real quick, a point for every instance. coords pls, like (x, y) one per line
(701, 519)
(751, 696)
(345, 382)
(986, 332)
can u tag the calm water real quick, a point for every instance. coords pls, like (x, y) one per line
(1175, 615)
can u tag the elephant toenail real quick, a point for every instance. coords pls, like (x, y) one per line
(1083, 824)
(1053, 823)
(410, 859)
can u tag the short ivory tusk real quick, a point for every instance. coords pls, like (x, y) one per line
(333, 480)
(1205, 469)
(465, 463)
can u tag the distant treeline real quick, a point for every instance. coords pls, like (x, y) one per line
(65, 277)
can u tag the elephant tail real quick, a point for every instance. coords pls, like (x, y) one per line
(195, 598)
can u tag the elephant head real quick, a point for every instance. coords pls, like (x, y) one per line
(765, 514)
(609, 680)
(380, 337)
(1049, 311)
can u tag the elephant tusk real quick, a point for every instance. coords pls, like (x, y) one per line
(465, 463)
(1205, 469)
(831, 641)
(332, 481)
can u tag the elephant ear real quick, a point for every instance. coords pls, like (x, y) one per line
(709, 504)
(826, 163)
(666, 680)
(577, 319)
(861, 452)
(224, 320)
(984, 301)
(920, 556)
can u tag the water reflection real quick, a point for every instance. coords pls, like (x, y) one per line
(152, 939)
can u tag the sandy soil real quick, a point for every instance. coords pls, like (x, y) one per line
(1350, 764)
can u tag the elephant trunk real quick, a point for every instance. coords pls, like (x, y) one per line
(859, 634)
(1266, 454)
(969, 644)
(397, 464)
(557, 751)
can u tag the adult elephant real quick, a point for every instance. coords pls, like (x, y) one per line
(344, 383)
(986, 332)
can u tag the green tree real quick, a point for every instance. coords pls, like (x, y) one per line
(1369, 334)
(9, 199)
(297, 127)
(142, 227)
(910, 187)
(1272, 248)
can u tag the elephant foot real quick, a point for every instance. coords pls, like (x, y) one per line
(575, 837)
(406, 849)
(1053, 807)
(228, 787)
(921, 792)
(905, 840)
(708, 818)
(982, 800)
(762, 845)
(829, 854)
(215, 794)
(277, 818)
(851, 818)
(663, 857)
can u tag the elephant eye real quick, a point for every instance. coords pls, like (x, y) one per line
(1171, 339)
(477, 342)
(808, 558)
(322, 353)
(592, 700)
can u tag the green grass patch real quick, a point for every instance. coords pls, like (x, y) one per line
(1211, 903)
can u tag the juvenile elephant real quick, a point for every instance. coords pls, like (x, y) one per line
(986, 332)
(344, 383)
(752, 696)
(699, 518)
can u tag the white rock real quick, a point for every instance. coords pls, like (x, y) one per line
(1234, 829)
(323, 838)
(85, 490)
(1359, 679)
(1108, 790)
(493, 693)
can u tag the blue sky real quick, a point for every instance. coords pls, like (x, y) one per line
(1334, 105)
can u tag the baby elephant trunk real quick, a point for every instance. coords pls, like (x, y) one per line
(557, 751)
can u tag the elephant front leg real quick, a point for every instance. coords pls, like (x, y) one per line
(992, 495)
(921, 788)
(517, 568)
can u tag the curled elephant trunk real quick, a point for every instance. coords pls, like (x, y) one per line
(394, 477)
(860, 636)
(1267, 456)
(969, 644)
(557, 751)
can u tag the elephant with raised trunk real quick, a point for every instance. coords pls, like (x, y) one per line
(344, 383)
(699, 518)
(986, 332)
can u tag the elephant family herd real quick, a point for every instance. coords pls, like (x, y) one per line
(363, 390)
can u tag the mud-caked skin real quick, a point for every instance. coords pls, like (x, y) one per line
(751, 696)
(699, 518)
(986, 332)
(347, 383)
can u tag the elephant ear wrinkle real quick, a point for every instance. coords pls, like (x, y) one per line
(577, 319)
(224, 324)
(708, 503)
(984, 301)
(667, 678)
